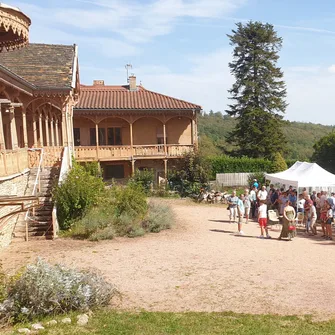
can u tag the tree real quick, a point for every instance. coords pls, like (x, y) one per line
(259, 91)
(279, 163)
(324, 152)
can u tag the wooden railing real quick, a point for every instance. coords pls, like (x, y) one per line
(107, 153)
(13, 161)
(52, 156)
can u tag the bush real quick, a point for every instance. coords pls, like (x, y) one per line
(129, 200)
(145, 178)
(278, 163)
(44, 289)
(79, 192)
(159, 217)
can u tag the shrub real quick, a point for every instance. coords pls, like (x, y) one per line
(79, 192)
(3, 283)
(278, 163)
(128, 225)
(145, 178)
(107, 233)
(44, 289)
(159, 217)
(129, 200)
(260, 176)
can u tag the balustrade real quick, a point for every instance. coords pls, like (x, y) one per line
(13, 161)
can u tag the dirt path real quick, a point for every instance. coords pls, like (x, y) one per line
(200, 265)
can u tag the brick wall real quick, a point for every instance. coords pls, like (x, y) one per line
(15, 186)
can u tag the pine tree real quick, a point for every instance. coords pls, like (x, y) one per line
(259, 91)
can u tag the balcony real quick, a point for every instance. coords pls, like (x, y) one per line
(126, 152)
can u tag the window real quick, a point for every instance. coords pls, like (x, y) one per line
(114, 171)
(114, 136)
(102, 136)
(76, 134)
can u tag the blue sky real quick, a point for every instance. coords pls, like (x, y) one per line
(180, 48)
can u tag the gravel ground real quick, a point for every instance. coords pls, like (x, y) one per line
(201, 265)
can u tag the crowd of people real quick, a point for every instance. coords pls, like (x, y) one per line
(307, 209)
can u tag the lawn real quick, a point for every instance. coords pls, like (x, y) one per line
(122, 323)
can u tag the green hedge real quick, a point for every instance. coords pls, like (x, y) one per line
(226, 164)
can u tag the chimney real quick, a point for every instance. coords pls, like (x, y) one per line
(98, 83)
(132, 83)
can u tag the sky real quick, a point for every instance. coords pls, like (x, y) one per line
(180, 47)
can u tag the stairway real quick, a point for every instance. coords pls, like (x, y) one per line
(39, 225)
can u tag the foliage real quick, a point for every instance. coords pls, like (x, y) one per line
(114, 322)
(130, 200)
(159, 217)
(3, 284)
(260, 176)
(93, 168)
(145, 178)
(226, 164)
(44, 289)
(324, 152)
(78, 192)
(278, 163)
(300, 136)
(259, 91)
(193, 174)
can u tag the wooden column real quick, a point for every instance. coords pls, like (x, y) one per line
(13, 132)
(47, 142)
(133, 167)
(196, 134)
(24, 124)
(97, 138)
(52, 130)
(193, 132)
(2, 135)
(34, 129)
(40, 115)
(164, 135)
(64, 129)
(57, 133)
(165, 168)
(131, 139)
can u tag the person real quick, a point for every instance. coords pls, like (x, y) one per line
(253, 201)
(288, 229)
(262, 194)
(247, 206)
(263, 219)
(282, 201)
(293, 198)
(232, 202)
(275, 200)
(301, 204)
(323, 218)
(312, 218)
(329, 222)
(255, 184)
(240, 211)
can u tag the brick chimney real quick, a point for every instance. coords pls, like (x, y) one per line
(98, 83)
(132, 83)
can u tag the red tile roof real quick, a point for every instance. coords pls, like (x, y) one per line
(120, 97)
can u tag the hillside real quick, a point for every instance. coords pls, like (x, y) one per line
(214, 127)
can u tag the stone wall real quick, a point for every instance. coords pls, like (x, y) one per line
(14, 186)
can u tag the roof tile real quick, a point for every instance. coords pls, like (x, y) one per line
(120, 97)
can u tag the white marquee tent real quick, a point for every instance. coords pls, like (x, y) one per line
(303, 174)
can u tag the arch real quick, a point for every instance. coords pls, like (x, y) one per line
(148, 130)
(114, 117)
(177, 116)
(46, 100)
(179, 130)
(148, 116)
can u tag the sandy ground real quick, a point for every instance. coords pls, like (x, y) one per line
(201, 265)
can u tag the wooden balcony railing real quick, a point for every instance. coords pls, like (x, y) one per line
(13, 161)
(108, 153)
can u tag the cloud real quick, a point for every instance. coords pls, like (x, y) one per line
(136, 22)
(331, 68)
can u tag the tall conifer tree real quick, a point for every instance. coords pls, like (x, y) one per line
(259, 91)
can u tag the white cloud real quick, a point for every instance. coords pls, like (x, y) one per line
(331, 68)
(134, 21)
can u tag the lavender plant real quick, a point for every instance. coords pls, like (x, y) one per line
(45, 289)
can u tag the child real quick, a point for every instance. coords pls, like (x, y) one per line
(263, 219)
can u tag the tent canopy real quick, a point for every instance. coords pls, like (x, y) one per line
(303, 174)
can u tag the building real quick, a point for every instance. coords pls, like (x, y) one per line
(129, 127)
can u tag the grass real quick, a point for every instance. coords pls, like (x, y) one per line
(107, 322)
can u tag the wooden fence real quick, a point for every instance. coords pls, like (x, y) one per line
(232, 179)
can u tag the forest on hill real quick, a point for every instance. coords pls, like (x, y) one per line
(213, 128)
